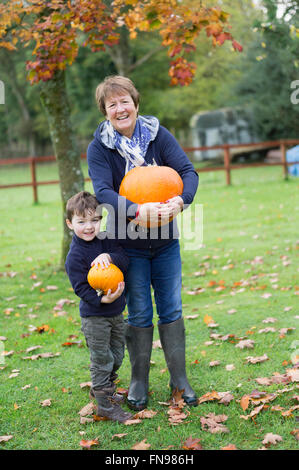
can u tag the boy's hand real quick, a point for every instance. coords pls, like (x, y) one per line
(111, 296)
(103, 260)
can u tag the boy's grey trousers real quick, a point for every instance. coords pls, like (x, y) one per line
(106, 342)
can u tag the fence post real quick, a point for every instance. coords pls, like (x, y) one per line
(284, 159)
(33, 179)
(227, 163)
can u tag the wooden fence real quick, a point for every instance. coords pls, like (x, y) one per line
(228, 150)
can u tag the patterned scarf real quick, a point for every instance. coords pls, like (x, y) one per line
(134, 149)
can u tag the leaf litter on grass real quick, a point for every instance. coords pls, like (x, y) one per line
(237, 286)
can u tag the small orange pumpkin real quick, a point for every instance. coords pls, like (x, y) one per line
(151, 184)
(105, 278)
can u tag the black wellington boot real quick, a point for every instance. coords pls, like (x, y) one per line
(172, 337)
(139, 344)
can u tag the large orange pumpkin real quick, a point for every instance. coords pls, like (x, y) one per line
(105, 278)
(151, 184)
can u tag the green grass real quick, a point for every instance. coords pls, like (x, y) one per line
(256, 217)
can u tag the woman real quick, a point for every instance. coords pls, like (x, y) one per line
(120, 143)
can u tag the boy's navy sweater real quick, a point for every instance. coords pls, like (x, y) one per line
(77, 265)
(107, 169)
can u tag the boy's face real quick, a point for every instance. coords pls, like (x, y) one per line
(85, 226)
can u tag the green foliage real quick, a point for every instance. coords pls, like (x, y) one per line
(271, 66)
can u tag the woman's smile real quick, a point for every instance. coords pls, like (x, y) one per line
(122, 113)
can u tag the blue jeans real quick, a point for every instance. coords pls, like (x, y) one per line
(161, 269)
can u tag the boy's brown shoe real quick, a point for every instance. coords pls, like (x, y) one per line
(117, 397)
(107, 406)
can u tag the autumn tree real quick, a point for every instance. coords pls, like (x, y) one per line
(56, 28)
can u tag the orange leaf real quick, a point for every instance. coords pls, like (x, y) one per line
(244, 402)
(208, 319)
(229, 447)
(87, 444)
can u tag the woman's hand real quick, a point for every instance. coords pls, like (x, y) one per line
(103, 260)
(175, 205)
(111, 296)
(156, 213)
(149, 213)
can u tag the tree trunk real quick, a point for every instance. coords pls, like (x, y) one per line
(121, 54)
(56, 104)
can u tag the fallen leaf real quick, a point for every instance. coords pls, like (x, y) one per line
(213, 423)
(229, 447)
(99, 418)
(271, 438)
(231, 311)
(192, 444)
(84, 420)
(244, 402)
(293, 374)
(267, 330)
(26, 386)
(258, 359)
(295, 433)
(87, 409)
(119, 436)
(176, 415)
(122, 391)
(46, 402)
(208, 319)
(210, 396)
(42, 355)
(225, 398)
(85, 385)
(143, 445)
(5, 438)
(284, 331)
(42, 328)
(246, 343)
(32, 348)
(145, 414)
(132, 421)
(7, 353)
(15, 374)
(88, 444)
(253, 413)
(266, 295)
(263, 381)
(214, 363)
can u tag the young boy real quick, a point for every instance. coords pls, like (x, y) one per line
(101, 315)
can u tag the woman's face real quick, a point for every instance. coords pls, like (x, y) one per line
(122, 113)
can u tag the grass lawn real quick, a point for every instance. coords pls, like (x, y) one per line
(243, 273)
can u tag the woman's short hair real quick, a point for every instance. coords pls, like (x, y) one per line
(115, 85)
